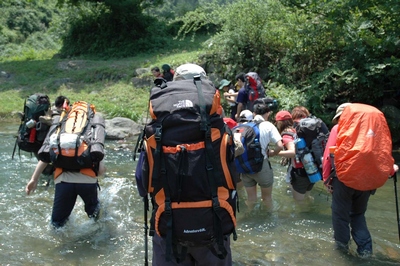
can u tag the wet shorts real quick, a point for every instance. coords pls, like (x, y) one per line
(264, 178)
(300, 181)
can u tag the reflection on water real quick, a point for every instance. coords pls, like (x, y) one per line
(291, 235)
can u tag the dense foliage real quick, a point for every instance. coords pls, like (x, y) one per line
(29, 29)
(332, 51)
(311, 52)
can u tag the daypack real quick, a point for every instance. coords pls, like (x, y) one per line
(186, 166)
(315, 133)
(251, 160)
(32, 132)
(254, 88)
(76, 139)
(363, 155)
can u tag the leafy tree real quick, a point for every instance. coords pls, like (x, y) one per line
(104, 27)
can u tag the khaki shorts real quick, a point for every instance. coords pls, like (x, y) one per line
(264, 178)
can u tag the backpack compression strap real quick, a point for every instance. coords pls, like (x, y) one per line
(213, 172)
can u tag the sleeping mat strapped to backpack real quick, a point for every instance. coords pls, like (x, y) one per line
(76, 139)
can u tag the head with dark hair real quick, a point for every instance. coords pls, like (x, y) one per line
(60, 101)
(241, 77)
(264, 105)
(166, 68)
(156, 72)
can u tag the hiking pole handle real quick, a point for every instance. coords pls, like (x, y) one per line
(146, 247)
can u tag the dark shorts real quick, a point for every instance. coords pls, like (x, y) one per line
(65, 197)
(199, 256)
(300, 181)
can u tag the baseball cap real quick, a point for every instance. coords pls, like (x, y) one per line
(224, 83)
(247, 115)
(339, 110)
(188, 71)
(283, 115)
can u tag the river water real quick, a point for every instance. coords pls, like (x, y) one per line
(290, 235)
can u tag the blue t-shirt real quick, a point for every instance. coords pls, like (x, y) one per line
(242, 97)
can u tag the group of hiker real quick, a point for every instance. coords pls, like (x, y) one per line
(193, 159)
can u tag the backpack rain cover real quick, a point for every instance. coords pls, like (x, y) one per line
(363, 157)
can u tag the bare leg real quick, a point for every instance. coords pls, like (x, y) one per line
(251, 197)
(266, 195)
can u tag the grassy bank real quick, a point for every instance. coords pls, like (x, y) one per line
(105, 83)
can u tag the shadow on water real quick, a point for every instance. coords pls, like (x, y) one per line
(292, 234)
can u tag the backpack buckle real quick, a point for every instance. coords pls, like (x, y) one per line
(215, 203)
(168, 209)
(157, 135)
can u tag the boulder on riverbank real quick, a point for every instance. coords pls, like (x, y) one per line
(121, 128)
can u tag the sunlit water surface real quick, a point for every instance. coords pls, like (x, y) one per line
(290, 235)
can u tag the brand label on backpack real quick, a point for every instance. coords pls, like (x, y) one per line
(251, 160)
(187, 166)
(363, 155)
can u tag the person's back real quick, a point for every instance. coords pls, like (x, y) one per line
(185, 193)
(362, 132)
(77, 163)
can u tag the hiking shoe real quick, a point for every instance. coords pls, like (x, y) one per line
(365, 254)
(341, 246)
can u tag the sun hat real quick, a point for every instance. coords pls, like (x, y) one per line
(283, 115)
(339, 110)
(223, 83)
(246, 115)
(188, 71)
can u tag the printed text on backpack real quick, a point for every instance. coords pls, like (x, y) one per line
(187, 168)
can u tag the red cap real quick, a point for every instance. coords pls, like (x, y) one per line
(230, 122)
(283, 115)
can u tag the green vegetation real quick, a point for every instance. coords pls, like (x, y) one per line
(309, 52)
(105, 83)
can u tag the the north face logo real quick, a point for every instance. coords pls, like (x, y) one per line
(370, 133)
(183, 103)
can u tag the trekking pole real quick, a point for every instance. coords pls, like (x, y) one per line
(397, 203)
(146, 228)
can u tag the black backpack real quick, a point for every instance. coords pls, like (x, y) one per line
(251, 161)
(315, 133)
(187, 167)
(32, 132)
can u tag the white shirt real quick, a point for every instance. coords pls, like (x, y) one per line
(268, 134)
(75, 177)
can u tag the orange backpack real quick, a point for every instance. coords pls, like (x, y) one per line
(363, 157)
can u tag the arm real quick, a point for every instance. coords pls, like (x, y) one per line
(278, 148)
(290, 150)
(32, 184)
(239, 109)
